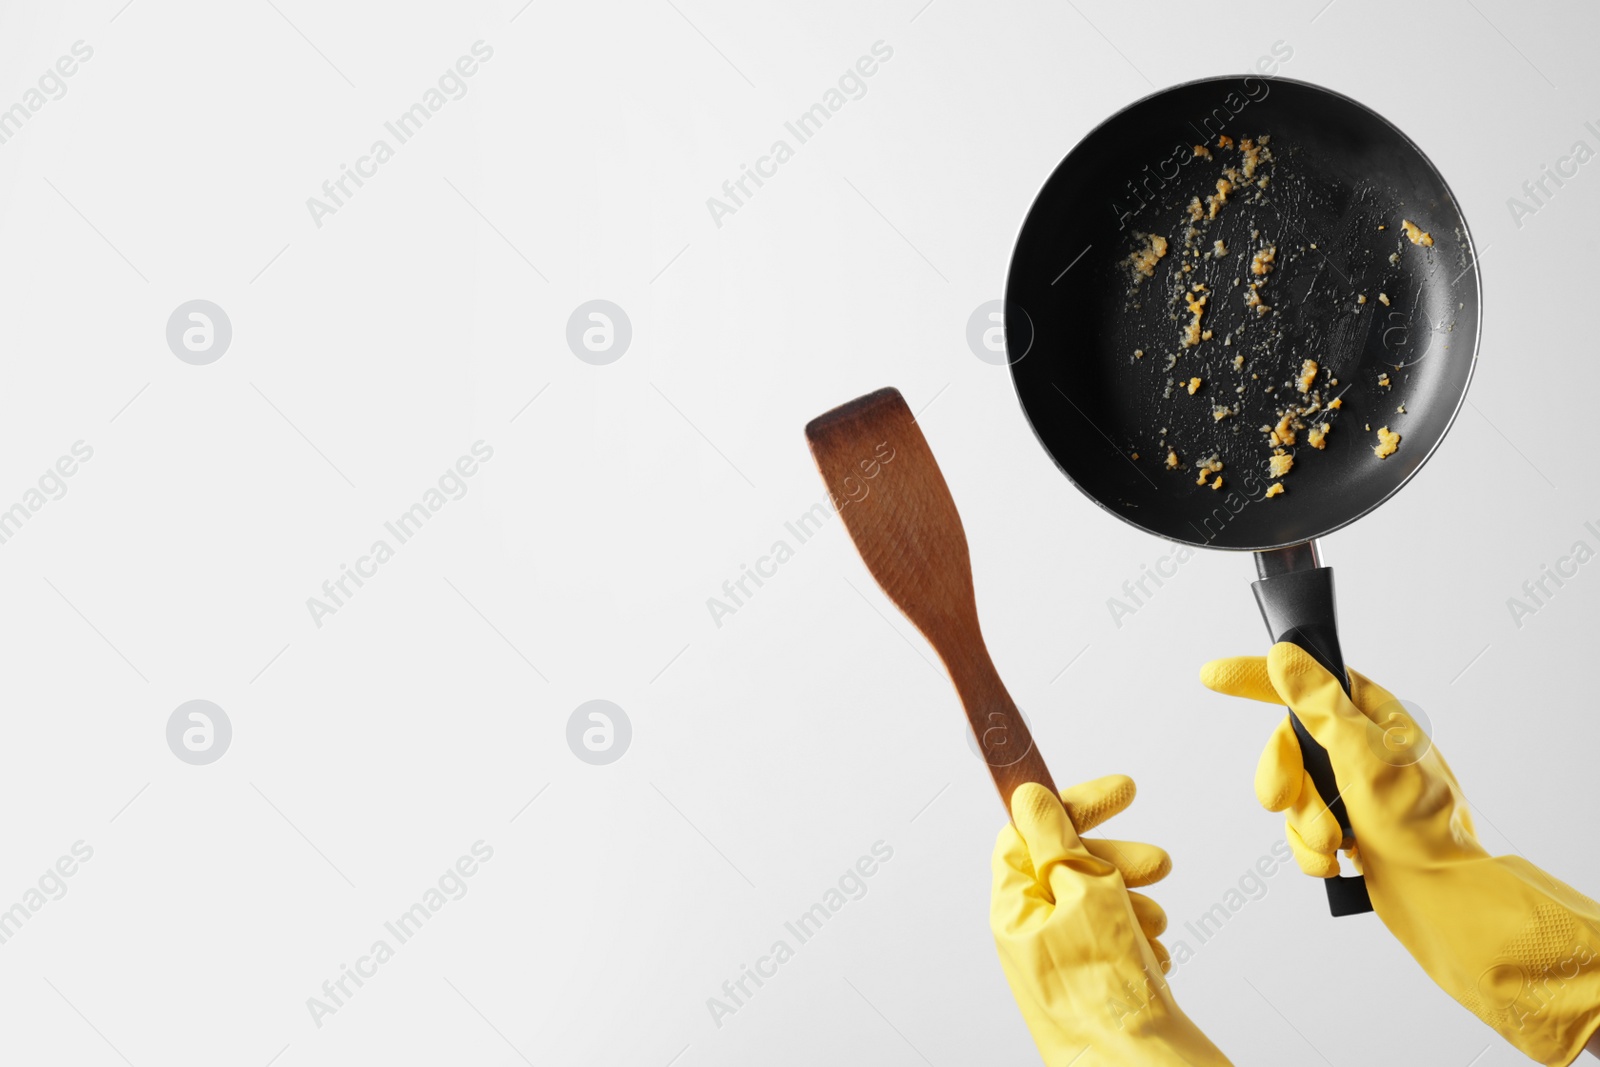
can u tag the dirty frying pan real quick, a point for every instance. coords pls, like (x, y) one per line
(1099, 361)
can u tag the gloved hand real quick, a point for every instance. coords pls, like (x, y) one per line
(1078, 948)
(1515, 946)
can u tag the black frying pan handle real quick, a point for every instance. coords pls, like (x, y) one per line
(1298, 607)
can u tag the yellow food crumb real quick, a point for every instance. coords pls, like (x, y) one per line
(1383, 379)
(1251, 156)
(1214, 203)
(1317, 435)
(1224, 141)
(1197, 211)
(1208, 467)
(1414, 232)
(1252, 299)
(1262, 264)
(1138, 353)
(1387, 443)
(1280, 463)
(1401, 409)
(1238, 361)
(1362, 299)
(1202, 151)
(1218, 483)
(1336, 403)
(1172, 459)
(1383, 298)
(1219, 249)
(1220, 413)
(1275, 489)
(1144, 260)
(1308, 374)
(1283, 433)
(1194, 386)
(1136, 455)
(1197, 306)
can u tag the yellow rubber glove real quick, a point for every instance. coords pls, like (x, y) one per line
(1078, 949)
(1516, 947)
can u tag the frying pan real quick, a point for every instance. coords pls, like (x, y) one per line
(1098, 362)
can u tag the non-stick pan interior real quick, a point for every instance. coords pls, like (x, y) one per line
(1347, 288)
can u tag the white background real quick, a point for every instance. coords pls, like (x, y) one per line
(768, 754)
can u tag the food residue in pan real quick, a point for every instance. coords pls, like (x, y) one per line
(1144, 260)
(1197, 307)
(1308, 374)
(1414, 232)
(1214, 204)
(1213, 217)
(1387, 443)
(1252, 299)
(1251, 154)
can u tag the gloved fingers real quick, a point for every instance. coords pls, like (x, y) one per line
(1039, 817)
(1313, 821)
(1017, 900)
(1240, 676)
(1011, 852)
(1053, 846)
(1248, 677)
(1152, 917)
(1163, 957)
(1367, 694)
(1316, 864)
(1313, 693)
(1138, 863)
(1091, 803)
(1280, 772)
(1353, 854)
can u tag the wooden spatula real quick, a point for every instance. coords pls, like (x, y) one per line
(905, 526)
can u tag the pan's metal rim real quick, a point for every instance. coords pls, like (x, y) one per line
(1477, 332)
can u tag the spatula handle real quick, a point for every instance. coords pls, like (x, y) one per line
(1298, 607)
(1004, 740)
